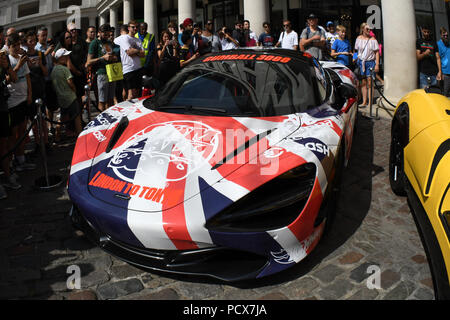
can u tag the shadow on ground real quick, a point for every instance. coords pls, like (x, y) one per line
(37, 241)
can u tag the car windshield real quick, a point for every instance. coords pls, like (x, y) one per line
(239, 88)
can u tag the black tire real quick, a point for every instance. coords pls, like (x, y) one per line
(431, 245)
(396, 162)
(330, 206)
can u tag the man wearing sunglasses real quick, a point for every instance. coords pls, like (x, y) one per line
(288, 38)
(131, 52)
(266, 39)
(209, 35)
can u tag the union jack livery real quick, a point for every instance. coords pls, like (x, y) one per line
(231, 170)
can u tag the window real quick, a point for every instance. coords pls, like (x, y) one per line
(67, 3)
(27, 9)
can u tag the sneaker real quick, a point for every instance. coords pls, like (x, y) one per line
(3, 194)
(13, 184)
(25, 167)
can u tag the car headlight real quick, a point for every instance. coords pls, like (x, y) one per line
(274, 205)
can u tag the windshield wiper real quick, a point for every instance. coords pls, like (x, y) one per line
(193, 108)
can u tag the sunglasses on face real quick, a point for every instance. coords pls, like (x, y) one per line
(287, 25)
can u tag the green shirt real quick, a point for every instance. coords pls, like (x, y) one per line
(98, 49)
(60, 75)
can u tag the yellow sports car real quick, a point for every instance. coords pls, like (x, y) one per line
(419, 167)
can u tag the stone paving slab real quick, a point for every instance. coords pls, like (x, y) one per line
(373, 227)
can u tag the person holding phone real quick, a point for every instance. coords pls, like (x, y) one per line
(7, 75)
(20, 100)
(101, 54)
(167, 52)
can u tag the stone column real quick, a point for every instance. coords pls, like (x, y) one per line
(92, 20)
(186, 9)
(257, 12)
(151, 17)
(127, 11)
(400, 63)
(49, 27)
(102, 19)
(113, 18)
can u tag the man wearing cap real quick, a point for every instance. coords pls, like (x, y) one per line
(188, 25)
(148, 43)
(331, 35)
(312, 39)
(65, 89)
(101, 54)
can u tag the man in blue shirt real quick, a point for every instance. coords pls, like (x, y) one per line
(266, 39)
(341, 49)
(444, 52)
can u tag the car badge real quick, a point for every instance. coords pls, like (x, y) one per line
(123, 197)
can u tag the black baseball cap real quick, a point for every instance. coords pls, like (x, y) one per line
(312, 16)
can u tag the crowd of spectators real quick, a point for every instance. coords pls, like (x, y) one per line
(35, 65)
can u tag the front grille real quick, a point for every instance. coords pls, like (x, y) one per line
(218, 262)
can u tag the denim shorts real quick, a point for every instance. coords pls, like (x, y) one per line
(367, 66)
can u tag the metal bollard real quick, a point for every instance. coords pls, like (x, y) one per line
(46, 182)
(87, 90)
(372, 75)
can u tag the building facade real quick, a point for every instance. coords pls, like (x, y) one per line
(54, 14)
(395, 22)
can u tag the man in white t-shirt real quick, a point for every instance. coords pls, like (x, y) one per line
(131, 52)
(288, 38)
(19, 101)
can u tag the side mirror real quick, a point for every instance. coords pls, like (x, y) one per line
(350, 94)
(347, 91)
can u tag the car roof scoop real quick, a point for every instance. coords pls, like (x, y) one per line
(121, 127)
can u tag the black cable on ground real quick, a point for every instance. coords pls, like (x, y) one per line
(382, 95)
(62, 122)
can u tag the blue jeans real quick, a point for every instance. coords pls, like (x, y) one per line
(424, 80)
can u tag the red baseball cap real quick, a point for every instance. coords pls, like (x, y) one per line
(187, 22)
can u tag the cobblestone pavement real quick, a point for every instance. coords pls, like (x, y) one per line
(372, 227)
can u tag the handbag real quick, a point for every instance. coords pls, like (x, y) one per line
(114, 71)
